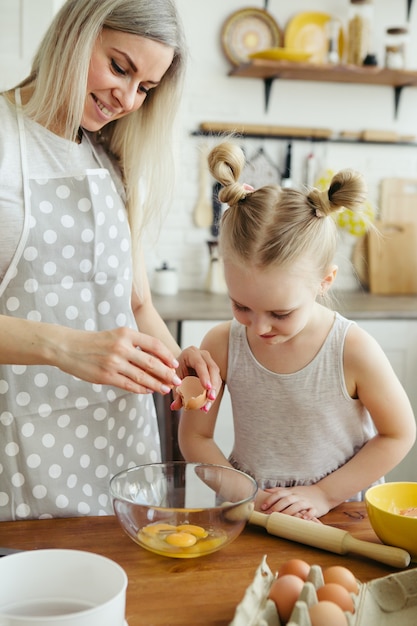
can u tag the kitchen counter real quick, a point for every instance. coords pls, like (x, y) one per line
(201, 305)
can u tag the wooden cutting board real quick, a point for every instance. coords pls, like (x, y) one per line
(392, 256)
(398, 200)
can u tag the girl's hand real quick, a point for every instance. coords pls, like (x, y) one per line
(122, 357)
(307, 502)
(199, 362)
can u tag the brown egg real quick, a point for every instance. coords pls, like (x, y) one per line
(327, 613)
(333, 592)
(298, 567)
(285, 591)
(192, 393)
(342, 576)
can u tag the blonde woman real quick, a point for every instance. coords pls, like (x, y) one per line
(319, 414)
(82, 348)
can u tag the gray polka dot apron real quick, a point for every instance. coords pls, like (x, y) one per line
(61, 438)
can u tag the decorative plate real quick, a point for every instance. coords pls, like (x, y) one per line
(247, 31)
(282, 54)
(307, 31)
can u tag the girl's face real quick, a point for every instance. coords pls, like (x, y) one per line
(123, 68)
(275, 304)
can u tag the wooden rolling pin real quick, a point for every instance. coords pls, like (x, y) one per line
(328, 538)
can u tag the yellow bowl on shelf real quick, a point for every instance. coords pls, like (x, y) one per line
(392, 511)
(282, 54)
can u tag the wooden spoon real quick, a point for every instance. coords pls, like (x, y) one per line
(203, 210)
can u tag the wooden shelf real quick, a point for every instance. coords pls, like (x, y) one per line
(269, 71)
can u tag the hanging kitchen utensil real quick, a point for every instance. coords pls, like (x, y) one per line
(203, 211)
(286, 176)
(328, 538)
(260, 170)
(217, 210)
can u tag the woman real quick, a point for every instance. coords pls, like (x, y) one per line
(81, 346)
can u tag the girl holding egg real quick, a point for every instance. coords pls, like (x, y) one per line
(319, 414)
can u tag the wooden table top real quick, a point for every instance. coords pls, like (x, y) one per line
(164, 591)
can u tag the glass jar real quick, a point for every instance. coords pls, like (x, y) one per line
(396, 47)
(359, 31)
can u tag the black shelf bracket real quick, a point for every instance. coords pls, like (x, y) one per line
(409, 5)
(267, 90)
(397, 96)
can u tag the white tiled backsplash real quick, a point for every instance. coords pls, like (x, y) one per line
(211, 95)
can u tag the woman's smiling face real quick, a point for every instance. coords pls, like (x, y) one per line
(123, 68)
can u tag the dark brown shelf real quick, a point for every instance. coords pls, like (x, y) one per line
(269, 71)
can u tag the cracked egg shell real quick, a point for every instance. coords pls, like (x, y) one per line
(192, 393)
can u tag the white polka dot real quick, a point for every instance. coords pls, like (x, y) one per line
(129, 441)
(86, 266)
(109, 201)
(111, 424)
(100, 443)
(122, 404)
(100, 248)
(71, 313)
(120, 461)
(68, 252)
(61, 501)
(51, 299)
(63, 191)
(39, 492)
(34, 316)
(41, 380)
(84, 205)
(48, 440)
(103, 499)
(121, 215)
(23, 398)
(55, 471)
(46, 207)
(88, 490)
(67, 282)
(27, 429)
(49, 269)
(31, 285)
(18, 480)
(124, 245)
(100, 278)
(67, 221)
(50, 236)
(63, 420)
(6, 418)
(140, 448)
(81, 432)
(118, 290)
(44, 410)
(72, 481)
(97, 388)
(113, 232)
(100, 218)
(22, 510)
(32, 221)
(111, 395)
(86, 295)
(154, 456)
(85, 461)
(103, 308)
(90, 325)
(30, 253)
(4, 498)
(113, 261)
(132, 415)
(121, 433)
(102, 471)
(81, 403)
(12, 304)
(83, 508)
(19, 369)
(100, 414)
(68, 451)
(62, 392)
(33, 461)
(94, 188)
(87, 235)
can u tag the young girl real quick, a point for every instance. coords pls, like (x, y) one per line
(319, 414)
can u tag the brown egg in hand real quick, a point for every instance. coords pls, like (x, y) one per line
(192, 393)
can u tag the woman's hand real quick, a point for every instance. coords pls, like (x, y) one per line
(122, 357)
(307, 502)
(199, 362)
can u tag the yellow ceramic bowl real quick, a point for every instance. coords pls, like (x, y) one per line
(392, 511)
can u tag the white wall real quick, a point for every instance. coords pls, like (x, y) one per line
(211, 95)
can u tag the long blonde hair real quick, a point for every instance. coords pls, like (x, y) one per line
(271, 225)
(142, 141)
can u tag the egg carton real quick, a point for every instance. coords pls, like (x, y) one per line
(386, 601)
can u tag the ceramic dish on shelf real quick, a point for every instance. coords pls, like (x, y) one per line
(282, 54)
(247, 31)
(308, 32)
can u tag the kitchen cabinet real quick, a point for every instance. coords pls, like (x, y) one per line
(397, 337)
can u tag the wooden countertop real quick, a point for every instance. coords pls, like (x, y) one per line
(191, 592)
(201, 306)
